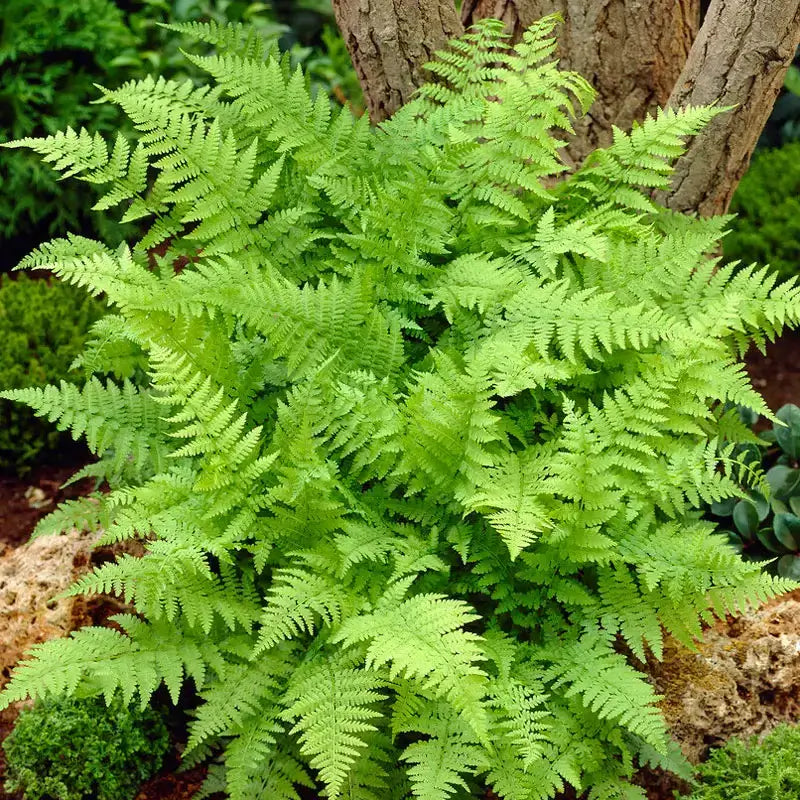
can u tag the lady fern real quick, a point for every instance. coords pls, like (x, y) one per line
(423, 432)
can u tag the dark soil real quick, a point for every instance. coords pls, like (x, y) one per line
(25, 500)
(776, 375)
(170, 785)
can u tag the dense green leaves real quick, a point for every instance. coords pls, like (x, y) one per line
(765, 768)
(421, 428)
(768, 525)
(43, 327)
(767, 208)
(83, 750)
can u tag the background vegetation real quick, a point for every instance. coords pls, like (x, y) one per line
(53, 53)
(43, 327)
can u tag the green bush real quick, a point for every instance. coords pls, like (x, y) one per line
(43, 327)
(765, 525)
(426, 429)
(761, 770)
(767, 202)
(51, 54)
(70, 749)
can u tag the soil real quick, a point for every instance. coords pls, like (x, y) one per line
(25, 500)
(171, 785)
(776, 375)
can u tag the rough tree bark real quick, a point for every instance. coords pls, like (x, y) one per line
(631, 51)
(389, 41)
(740, 57)
(638, 54)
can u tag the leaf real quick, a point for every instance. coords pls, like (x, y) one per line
(745, 518)
(787, 530)
(789, 567)
(724, 508)
(788, 437)
(767, 538)
(761, 504)
(784, 481)
(792, 80)
(735, 540)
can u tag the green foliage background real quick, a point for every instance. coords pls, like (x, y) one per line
(54, 52)
(767, 201)
(68, 749)
(767, 205)
(43, 327)
(51, 53)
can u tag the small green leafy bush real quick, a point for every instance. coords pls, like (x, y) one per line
(425, 432)
(67, 749)
(43, 327)
(766, 525)
(767, 203)
(761, 770)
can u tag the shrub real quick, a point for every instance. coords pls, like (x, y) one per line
(754, 769)
(43, 327)
(51, 54)
(69, 749)
(426, 430)
(767, 202)
(766, 525)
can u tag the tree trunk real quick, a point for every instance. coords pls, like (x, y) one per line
(389, 41)
(631, 51)
(638, 54)
(740, 58)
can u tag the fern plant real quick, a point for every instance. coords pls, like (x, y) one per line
(426, 430)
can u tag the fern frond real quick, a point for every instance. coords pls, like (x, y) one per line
(332, 704)
(105, 661)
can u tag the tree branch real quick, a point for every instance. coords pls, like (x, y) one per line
(389, 42)
(739, 58)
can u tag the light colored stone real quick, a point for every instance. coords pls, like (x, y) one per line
(30, 578)
(743, 680)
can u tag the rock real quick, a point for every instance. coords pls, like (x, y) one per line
(744, 678)
(30, 578)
